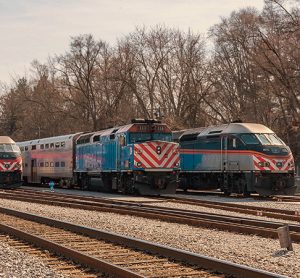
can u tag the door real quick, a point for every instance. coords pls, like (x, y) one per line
(33, 170)
(224, 153)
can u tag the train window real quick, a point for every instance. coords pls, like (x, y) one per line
(96, 138)
(56, 164)
(62, 144)
(57, 145)
(250, 139)
(274, 139)
(234, 142)
(42, 146)
(122, 140)
(46, 146)
(26, 148)
(33, 147)
(46, 164)
(52, 145)
(41, 164)
(51, 164)
(188, 137)
(263, 139)
(62, 164)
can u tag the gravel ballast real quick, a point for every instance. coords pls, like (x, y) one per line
(245, 249)
(17, 264)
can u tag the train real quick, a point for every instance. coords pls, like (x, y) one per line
(239, 158)
(10, 163)
(139, 157)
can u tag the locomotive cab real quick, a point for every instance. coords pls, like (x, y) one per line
(10, 163)
(272, 162)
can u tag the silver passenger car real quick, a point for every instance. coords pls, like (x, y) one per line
(49, 159)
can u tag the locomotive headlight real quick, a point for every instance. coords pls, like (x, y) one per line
(177, 164)
(139, 164)
(264, 164)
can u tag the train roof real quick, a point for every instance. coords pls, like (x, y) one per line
(225, 129)
(54, 139)
(6, 140)
(86, 137)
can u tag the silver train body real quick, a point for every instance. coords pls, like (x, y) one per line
(49, 159)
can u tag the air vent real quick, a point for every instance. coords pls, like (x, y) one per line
(215, 132)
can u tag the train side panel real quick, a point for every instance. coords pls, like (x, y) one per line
(49, 159)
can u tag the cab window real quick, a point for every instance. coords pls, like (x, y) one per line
(263, 139)
(249, 139)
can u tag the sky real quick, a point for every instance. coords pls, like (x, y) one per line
(37, 29)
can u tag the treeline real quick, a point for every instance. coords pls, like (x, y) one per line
(248, 68)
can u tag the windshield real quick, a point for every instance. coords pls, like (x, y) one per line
(263, 139)
(269, 139)
(9, 148)
(9, 151)
(138, 137)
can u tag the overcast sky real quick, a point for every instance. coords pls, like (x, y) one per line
(35, 29)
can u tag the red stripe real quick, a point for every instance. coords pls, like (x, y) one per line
(259, 167)
(174, 163)
(147, 160)
(156, 159)
(151, 159)
(263, 160)
(144, 148)
(192, 151)
(169, 160)
(163, 146)
(138, 161)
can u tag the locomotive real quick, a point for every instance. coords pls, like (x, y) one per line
(10, 163)
(237, 158)
(136, 158)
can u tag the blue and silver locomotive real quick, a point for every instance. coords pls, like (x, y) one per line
(138, 157)
(238, 158)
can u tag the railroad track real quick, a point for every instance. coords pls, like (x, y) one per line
(208, 220)
(111, 254)
(291, 215)
(275, 198)
(56, 262)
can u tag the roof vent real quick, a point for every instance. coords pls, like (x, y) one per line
(237, 121)
(145, 121)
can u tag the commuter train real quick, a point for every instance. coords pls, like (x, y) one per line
(237, 158)
(10, 163)
(136, 158)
